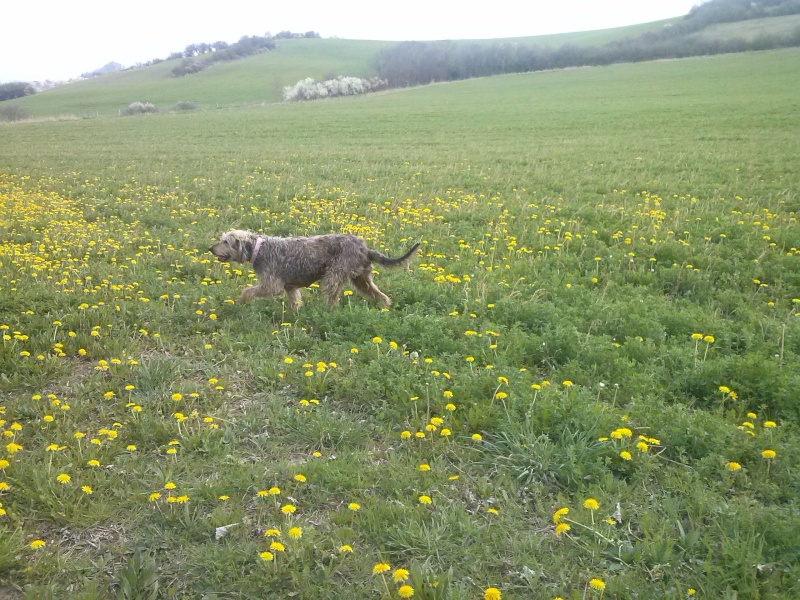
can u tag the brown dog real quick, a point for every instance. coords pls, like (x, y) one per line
(284, 265)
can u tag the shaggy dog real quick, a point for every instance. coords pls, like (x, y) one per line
(284, 265)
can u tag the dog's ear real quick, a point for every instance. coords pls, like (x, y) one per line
(248, 248)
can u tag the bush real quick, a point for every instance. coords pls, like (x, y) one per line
(13, 112)
(308, 89)
(187, 67)
(184, 105)
(138, 108)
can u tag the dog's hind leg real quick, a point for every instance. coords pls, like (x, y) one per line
(367, 288)
(293, 296)
(331, 287)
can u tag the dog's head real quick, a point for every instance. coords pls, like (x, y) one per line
(236, 245)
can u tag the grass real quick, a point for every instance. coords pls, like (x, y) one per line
(752, 29)
(578, 228)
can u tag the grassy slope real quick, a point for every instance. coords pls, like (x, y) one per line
(751, 29)
(555, 150)
(253, 80)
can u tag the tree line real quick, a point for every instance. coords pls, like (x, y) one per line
(417, 63)
(197, 57)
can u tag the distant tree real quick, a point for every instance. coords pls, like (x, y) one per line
(16, 89)
(219, 45)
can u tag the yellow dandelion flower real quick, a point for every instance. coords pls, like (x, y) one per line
(295, 533)
(274, 491)
(733, 466)
(769, 424)
(405, 591)
(424, 467)
(399, 575)
(300, 477)
(477, 437)
(424, 499)
(36, 544)
(491, 593)
(625, 455)
(597, 584)
(266, 556)
(288, 509)
(376, 340)
(768, 454)
(63, 479)
(354, 506)
(276, 547)
(86, 490)
(345, 548)
(560, 513)
(380, 568)
(591, 504)
(404, 435)
(562, 528)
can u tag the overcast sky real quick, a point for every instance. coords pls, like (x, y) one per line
(47, 39)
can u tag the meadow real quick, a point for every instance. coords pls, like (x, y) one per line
(587, 385)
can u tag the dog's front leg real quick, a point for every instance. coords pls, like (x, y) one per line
(256, 291)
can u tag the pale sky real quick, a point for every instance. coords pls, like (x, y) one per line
(60, 39)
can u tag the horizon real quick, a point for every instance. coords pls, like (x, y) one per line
(85, 36)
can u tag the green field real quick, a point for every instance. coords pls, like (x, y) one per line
(603, 318)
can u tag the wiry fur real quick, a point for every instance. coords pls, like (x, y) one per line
(284, 265)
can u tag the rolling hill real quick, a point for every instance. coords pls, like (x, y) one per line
(253, 80)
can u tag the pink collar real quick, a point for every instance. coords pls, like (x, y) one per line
(259, 241)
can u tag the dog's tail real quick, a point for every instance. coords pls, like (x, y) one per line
(392, 262)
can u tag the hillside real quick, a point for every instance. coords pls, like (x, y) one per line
(260, 79)
(253, 80)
